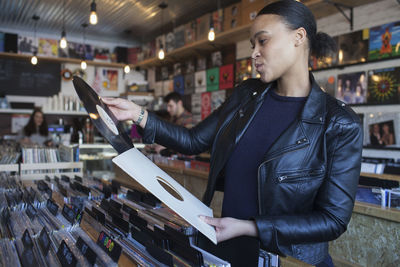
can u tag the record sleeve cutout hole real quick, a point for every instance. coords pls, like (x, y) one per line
(169, 188)
(107, 120)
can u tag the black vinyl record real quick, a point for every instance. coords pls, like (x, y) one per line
(102, 117)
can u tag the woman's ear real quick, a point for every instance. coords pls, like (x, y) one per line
(300, 36)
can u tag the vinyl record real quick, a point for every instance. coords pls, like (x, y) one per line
(102, 117)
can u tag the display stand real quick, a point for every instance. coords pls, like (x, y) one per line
(31, 171)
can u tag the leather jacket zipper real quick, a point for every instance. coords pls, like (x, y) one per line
(287, 178)
(301, 144)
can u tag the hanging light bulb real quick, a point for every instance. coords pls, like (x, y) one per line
(211, 34)
(34, 59)
(161, 54)
(63, 40)
(93, 14)
(127, 69)
(83, 64)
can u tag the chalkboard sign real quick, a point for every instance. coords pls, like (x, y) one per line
(20, 77)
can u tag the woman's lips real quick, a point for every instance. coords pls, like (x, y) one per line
(258, 66)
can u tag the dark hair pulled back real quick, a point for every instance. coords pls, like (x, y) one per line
(296, 15)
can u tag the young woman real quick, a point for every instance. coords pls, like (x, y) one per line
(36, 131)
(286, 154)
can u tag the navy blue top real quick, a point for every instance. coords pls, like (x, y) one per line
(272, 119)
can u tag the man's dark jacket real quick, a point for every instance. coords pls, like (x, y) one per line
(308, 179)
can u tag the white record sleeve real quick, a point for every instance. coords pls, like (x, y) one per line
(150, 176)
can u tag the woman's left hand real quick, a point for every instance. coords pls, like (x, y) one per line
(227, 227)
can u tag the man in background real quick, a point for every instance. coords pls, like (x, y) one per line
(179, 115)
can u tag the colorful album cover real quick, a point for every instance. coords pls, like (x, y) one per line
(48, 47)
(169, 42)
(105, 80)
(179, 84)
(205, 105)
(243, 70)
(1, 42)
(383, 86)
(177, 69)
(189, 83)
(179, 33)
(77, 50)
(212, 79)
(196, 107)
(26, 45)
(382, 133)
(327, 84)
(384, 41)
(217, 98)
(218, 20)
(201, 63)
(328, 61)
(352, 88)
(164, 73)
(352, 48)
(190, 32)
(226, 79)
(149, 49)
(101, 54)
(216, 59)
(200, 81)
(190, 66)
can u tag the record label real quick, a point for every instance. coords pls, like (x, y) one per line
(107, 120)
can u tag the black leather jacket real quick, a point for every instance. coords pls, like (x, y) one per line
(308, 179)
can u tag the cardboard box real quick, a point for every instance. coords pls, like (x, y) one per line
(190, 32)
(203, 26)
(232, 16)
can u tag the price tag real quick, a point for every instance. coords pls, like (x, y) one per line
(65, 256)
(27, 240)
(31, 212)
(68, 213)
(89, 254)
(44, 241)
(52, 207)
(109, 246)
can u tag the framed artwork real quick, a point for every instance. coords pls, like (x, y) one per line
(383, 86)
(352, 88)
(384, 41)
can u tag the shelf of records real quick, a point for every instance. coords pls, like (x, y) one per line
(57, 104)
(76, 221)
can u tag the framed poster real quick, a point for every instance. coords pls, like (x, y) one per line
(384, 41)
(383, 86)
(352, 88)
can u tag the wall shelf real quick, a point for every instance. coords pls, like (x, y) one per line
(384, 176)
(49, 112)
(199, 47)
(62, 60)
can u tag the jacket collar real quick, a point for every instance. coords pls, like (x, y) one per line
(315, 107)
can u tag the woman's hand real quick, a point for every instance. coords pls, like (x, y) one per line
(227, 227)
(125, 110)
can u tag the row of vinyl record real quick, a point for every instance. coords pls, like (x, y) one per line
(86, 221)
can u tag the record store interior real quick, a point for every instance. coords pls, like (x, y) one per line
(87, 181)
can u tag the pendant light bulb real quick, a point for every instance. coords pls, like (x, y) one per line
(127, 69)
(93, 14)
(211, 34)
(34, 59)
(63, 40)
(161, 54)
(83, 65)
